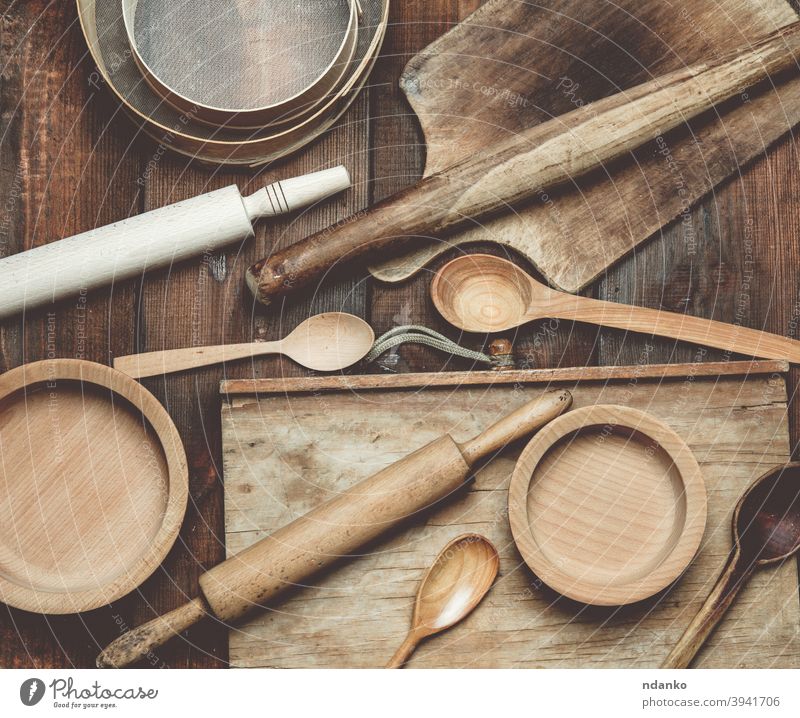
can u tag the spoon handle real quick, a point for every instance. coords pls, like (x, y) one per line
(172, 360)
(729, 337)
(733, 577)
(404, 652)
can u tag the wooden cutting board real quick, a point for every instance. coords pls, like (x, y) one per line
(511, 65)
(291, 443)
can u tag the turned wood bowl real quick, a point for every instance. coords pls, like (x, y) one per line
(93, 485)
(607, 505)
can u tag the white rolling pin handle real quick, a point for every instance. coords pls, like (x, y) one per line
(291, 194)
(122, 250)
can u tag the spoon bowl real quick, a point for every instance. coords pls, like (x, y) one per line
(329, 342)
(766, 531)
(454, 585)
(483, 293)
(766, 522)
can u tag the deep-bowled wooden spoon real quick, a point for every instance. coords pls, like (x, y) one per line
(325, 342)
(460, 577)
(766, 531)
(483, 293)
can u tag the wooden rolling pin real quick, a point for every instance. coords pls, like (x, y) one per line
(152, 240)
(516, 169)
(337, 528)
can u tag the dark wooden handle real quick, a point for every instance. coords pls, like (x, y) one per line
(387, 226)
(732, 578)
(517, 168)
(135, 645)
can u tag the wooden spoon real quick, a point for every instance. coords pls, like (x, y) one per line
(766, 531)
(451, 589)
(325, 342)
(483, 293)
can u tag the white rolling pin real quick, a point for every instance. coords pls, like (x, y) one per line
(152, 240)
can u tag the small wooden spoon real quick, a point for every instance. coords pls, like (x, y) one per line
(460, 577)
(483, 293)
(766, 531)
(325, 342)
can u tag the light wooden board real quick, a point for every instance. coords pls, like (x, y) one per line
(289, 445)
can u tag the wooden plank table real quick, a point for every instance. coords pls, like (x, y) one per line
(289, 444)
(69, 161)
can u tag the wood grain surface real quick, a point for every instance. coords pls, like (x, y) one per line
(275, 469)
(71, 161)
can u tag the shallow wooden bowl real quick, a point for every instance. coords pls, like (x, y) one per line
(607, 505)
(93, 485)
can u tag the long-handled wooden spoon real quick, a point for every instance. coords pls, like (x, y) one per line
(460, 577)
(325, 342)
(483, 293)
(766, 531)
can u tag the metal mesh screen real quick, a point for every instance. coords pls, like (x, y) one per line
(239, 54)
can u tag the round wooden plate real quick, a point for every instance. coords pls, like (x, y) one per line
(93, 485)
(607, 505)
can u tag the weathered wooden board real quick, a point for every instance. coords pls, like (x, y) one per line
(289, 444)
(512, 65)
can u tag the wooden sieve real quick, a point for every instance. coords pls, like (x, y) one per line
(103, 27)
(242, 63)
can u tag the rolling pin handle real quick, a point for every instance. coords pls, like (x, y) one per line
(295, 193)
(525, 420)
(137, 644)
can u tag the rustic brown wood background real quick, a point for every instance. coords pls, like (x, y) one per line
(69, 161)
